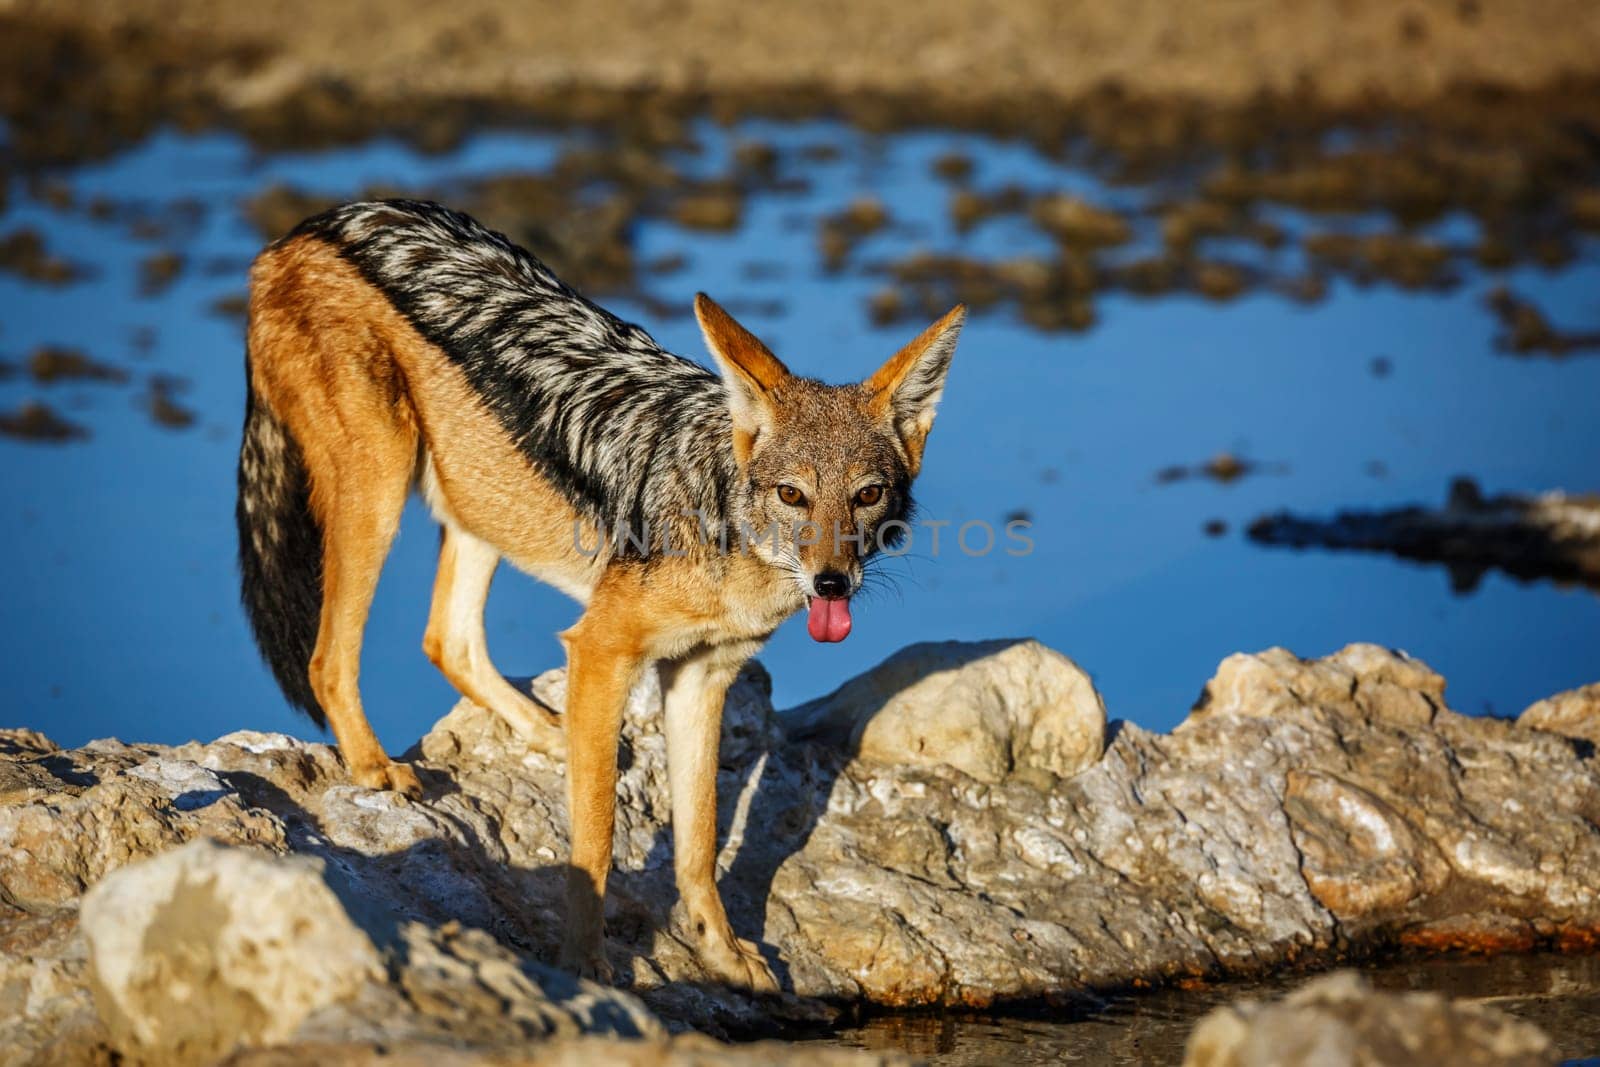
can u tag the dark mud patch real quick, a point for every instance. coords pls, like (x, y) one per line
(1526, 331)
(1553, 537)
(579, 215)
(38, 422)
(671, 263)
(23, 252)
(157, 272)
(49, 364)
(1400, 259)
(841, 231)
(1224, 468)
(232, 306)
(718, 210)
(163, 406)
(1050, 294)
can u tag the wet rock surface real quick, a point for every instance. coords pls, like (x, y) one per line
(1559, 995)
(1552, 536)
(1340, 1019)
(1307, 810)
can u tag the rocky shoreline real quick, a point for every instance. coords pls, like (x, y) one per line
(959, 828)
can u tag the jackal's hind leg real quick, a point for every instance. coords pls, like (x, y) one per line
(359, 522)
(456, 643)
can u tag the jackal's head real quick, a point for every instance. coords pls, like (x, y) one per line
(826, 469)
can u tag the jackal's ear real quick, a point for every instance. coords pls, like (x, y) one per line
(906, 390)
(751, 372)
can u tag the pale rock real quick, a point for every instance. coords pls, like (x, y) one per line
(1575, 713)
(82, 815)
(989, 709)
(205, 948)
(1380, 683)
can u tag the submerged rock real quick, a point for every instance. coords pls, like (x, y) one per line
(1339, 1019)
(944, 830)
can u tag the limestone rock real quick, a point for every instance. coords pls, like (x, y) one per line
(1378, 683)
(1575, 713)
(69, 819)
(206, 948)
(988, 709)
(1308, 808)
(1340, 1020)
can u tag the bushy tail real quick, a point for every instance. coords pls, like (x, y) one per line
(280, 550)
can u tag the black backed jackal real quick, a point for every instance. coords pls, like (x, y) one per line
(399, 344)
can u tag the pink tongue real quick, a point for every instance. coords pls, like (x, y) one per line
(829, 620)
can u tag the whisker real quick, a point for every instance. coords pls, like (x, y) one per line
(874, 584)
(876, 577)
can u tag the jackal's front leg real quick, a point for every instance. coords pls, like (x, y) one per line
(602, 663)
(695, 690)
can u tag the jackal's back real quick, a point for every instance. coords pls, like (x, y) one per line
(627, 431)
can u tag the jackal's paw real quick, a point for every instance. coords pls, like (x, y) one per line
(550, 740)
(738, 963)
(591, 966)
(395, 776)
(538, 727)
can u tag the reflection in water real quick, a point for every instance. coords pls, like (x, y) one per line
(1559, 994)
(1550, 536)
(1277, 321)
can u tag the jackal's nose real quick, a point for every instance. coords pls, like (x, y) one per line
(831, 585)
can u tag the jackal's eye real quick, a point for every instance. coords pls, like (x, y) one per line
(791, 496)
(869, 495)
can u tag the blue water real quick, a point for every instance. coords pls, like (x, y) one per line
(119, 614)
